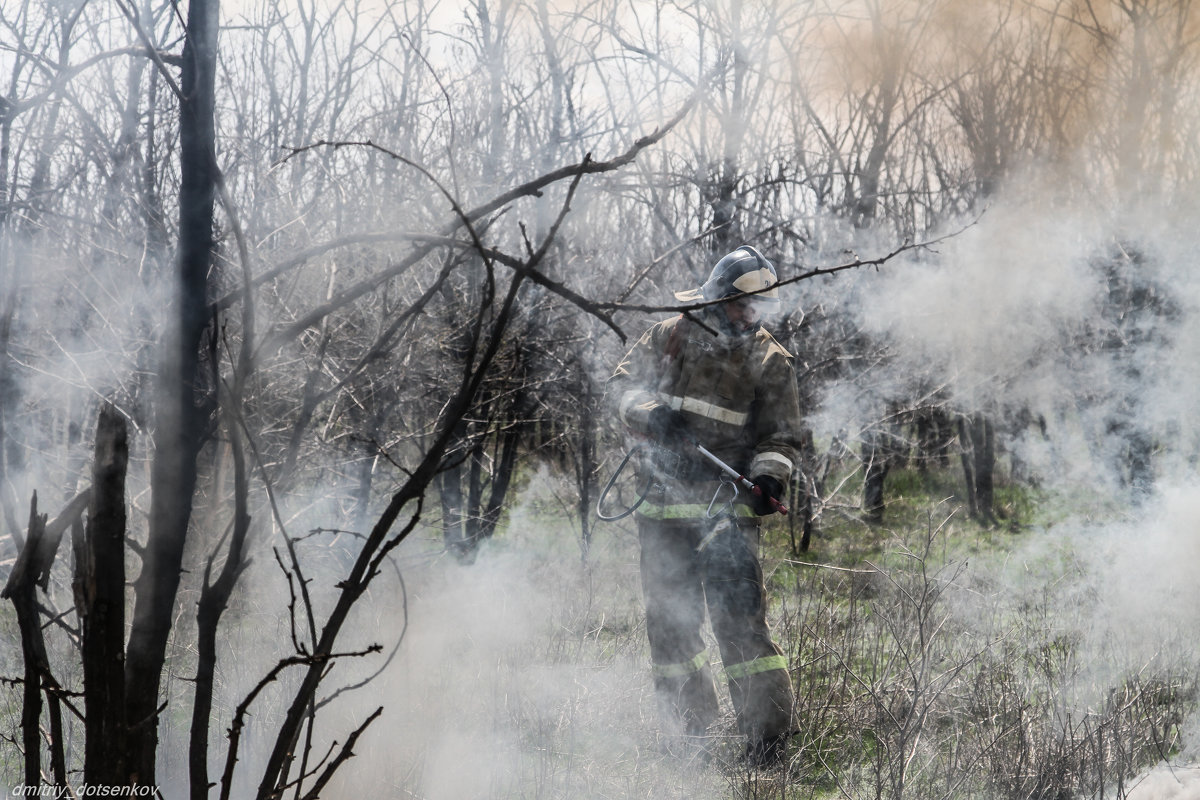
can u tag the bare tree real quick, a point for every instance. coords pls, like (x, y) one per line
(184, 406)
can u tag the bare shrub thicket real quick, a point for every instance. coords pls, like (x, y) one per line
(414, 239)
(922, 676)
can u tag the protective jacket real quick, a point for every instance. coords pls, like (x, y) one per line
(739, 397)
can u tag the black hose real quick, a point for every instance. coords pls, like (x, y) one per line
(611, 481)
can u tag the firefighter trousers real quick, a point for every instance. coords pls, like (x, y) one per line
(686, 565)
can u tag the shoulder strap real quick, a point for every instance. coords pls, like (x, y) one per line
(675, 339)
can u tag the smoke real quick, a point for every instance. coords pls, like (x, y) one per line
(523, 674)
(1076, 331)
(1150, 602)
(1167, 783)
(1122, 592)
(992, 302)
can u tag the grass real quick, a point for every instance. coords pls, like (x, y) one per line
(932, 657)
(924, 676)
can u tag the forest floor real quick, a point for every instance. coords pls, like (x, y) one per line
(1044, 656)
(1050, 655)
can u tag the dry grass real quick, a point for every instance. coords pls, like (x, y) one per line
(931, 660)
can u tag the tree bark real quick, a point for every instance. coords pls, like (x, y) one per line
(878, 464)
(502, 474)
(182, 406)
(967, 454)
(977, 435)
(214, 599)
(100, 600)
(881, 450)
(20, 589)
(32, 569)
(985, 468)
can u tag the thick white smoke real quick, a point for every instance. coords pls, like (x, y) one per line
(1167, 783)
(1009, 318)
(523, 674)
(990, 303)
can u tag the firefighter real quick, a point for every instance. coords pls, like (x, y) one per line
(736, 394)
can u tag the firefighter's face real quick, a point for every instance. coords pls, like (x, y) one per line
(743, 314)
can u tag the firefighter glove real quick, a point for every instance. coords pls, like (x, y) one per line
(769, 489)
(666, 425)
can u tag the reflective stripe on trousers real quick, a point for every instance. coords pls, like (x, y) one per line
(732, 671)
(755, 666)
(681, 670)
(681, 580)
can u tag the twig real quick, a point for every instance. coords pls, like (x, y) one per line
(830, 566)
(346, 753)
(531, 188)
(239, 716)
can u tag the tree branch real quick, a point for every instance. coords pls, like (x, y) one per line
(532, 188)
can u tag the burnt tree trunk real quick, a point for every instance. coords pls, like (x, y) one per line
(985, 468)
(966, 452)
(505, 465)
(20, 590)
(100, 602)
(183, 406)
(471, 516)
(877, 466)
(32, 569)
(882, 448)
(977, 435)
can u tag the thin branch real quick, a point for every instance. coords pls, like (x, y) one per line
(159, 59)
(532, 188)
(346, 754)
(239, 716)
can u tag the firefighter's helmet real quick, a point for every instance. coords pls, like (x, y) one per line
(743, 271)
